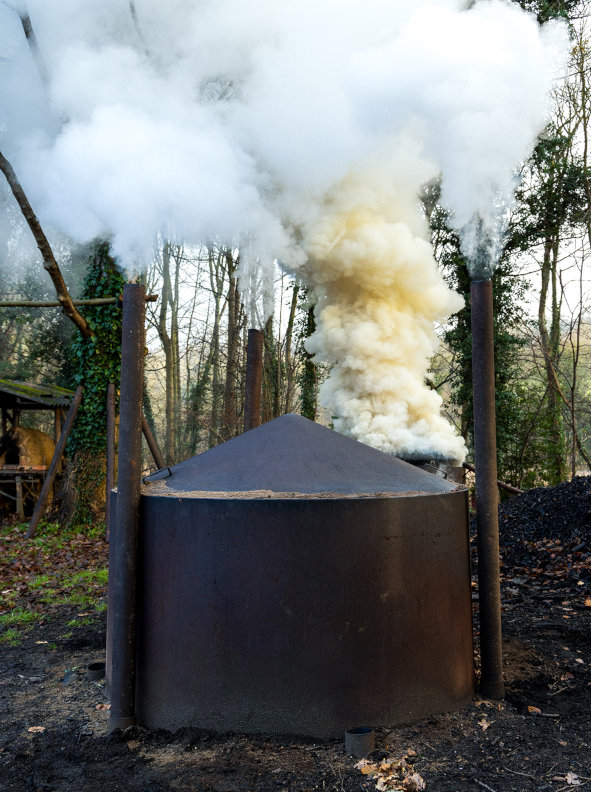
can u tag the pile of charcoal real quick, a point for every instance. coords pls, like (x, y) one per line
(559, 516)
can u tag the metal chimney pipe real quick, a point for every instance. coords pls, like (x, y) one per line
(123, 545)
(487, 519)
(110, 471)
(254, 379)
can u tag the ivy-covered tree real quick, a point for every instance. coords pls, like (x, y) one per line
(308, 370)
(96, 361)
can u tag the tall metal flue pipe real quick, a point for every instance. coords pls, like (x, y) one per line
(487, 496)
(254, 379)
(123, 545)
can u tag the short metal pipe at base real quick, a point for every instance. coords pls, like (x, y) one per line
(360, 741)
(121, 637)
(487, 520)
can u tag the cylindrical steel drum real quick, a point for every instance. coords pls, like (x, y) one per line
(295, 581)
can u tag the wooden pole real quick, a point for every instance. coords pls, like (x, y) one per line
(500, 484)
(152, 444)
(55, 304)
(53, 468)
(20, 506)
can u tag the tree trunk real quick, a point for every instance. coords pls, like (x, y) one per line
(271, 396)
(230, 424)
(217, 277)
(289, 363)
(549, 346)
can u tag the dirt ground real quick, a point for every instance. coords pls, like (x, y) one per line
(53, 734)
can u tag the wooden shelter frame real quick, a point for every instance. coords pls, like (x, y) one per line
(17, 397)
(62, 423)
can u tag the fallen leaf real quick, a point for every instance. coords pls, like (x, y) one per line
(36, 729)
(534, 710)
(103, 707)
(410, 752)
(567, 675)
(413, 783)
(484, 724)
(579, 660)
(562, 742)
(573, 779)
(588, 602)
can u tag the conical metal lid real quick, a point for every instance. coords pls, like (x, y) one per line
(295, 455)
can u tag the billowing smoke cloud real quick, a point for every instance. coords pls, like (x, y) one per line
(300, 131)
(480, 85)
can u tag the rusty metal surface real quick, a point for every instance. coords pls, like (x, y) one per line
(254, 379)
(123, 545)
(110, 462)
(302, 616)
(293, 454)
(487, 496)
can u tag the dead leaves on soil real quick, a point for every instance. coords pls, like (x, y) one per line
(571, 778)
(393, 774)
(54, 558)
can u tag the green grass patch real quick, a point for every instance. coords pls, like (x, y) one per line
(80, 622)
(39, 581)
(18, 616)
(62, 566)
(76, 599)
(91, 576)
(11, 637)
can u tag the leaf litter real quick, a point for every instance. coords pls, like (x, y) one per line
(393, 774)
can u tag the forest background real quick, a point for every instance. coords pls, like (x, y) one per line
(196, 340)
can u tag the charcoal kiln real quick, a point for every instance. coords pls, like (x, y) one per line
(295, 581)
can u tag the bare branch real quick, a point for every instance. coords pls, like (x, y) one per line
(32, 40)
(49, 261)
(138, 29)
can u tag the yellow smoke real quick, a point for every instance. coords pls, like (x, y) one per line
(379, 294)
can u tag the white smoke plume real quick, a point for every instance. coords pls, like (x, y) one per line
(300, 131)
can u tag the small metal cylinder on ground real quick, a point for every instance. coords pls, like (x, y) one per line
(254, 379)
(360, 741)
(123, 546)
(487, 520)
